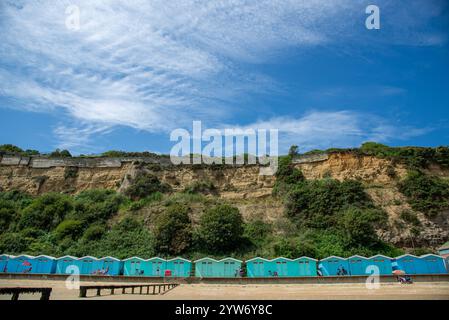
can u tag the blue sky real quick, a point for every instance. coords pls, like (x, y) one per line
(136, 70)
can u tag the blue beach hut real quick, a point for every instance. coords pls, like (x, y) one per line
(4, 258)
(110, 266)
(21, 264)
(178, 267)
(44, 264)
(357, 265)
(157, 267)
(334, 266)
(258, 267)
(135, 266)
(89, 265)
(305, 266)
(434, 264)
(67, 265)
(383, 263)
(411, 264)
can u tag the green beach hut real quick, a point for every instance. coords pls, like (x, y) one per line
(156, 267)
(136, 266)
(358, 265)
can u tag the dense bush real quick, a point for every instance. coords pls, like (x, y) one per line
(314, 203)
(46, 212)
(144, 185)
(220, 229)
(429, 195)
(69, 228)
(173, 230)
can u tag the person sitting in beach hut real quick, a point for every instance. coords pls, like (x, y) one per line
(21, 264)
(357, 265)
(67, 265)
(157, 267)
(179, 267)
(135, 266)
(258, 267)
(434, 264)
(4, 258)
(305, 267)
(89, 265)
(411, 264)
(110, 266)
(334, 266)
(383, 263)
(44, 265)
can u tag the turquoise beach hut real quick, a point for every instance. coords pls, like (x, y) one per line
(136, 266)
(178, 267)
(305, 267)
(334, 266)
(21, 264)
(89, 265)
(224, 268)
(383, 263)
(283, 267)
(357, 265)
(67, 265)
(258, 267)
(110, 266)
(434, 264)
(157, 267)
(44, 265)
(411, 264)
(4, 259)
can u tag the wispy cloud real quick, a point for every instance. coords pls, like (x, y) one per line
(339, 129)
(156, 65)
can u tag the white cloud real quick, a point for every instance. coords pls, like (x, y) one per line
(338, 129)
(156, 65)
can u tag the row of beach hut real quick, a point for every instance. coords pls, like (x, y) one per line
(224, 268)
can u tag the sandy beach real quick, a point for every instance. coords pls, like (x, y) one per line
(389, 291)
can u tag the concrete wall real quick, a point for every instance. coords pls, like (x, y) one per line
(311, 158)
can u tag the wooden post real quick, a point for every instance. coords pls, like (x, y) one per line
(112, 290)
(98, 292)
(132, 290)
(141, 289)
(83, 292)
(154, 289)
(123, 290)
(15, 296)
(148, 289)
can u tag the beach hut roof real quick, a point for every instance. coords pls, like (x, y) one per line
(178, 258)
(407, 255)
(67, 256)
(156, 258)
(258, 258)
(134, 258)
(431, 255)
(109, 257)
(282, 258)
(357, 256)
(88, 257)
(304, 257)
(333, 257)
(380, 255)
(224, 259)
(44, 256)
(24, 255)
(7, 255)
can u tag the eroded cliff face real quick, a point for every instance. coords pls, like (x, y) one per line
(242, 185)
